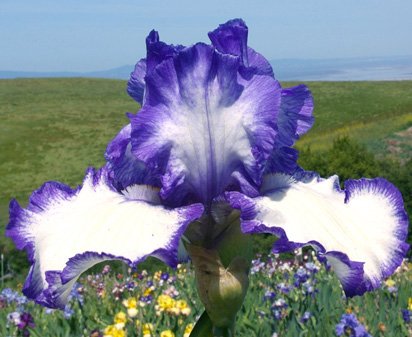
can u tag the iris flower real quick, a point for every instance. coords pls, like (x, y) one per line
(207, 161)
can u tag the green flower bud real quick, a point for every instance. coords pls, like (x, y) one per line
(222, 290)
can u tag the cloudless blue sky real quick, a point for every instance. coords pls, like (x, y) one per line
(88, 35)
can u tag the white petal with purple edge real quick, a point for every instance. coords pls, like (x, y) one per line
(67, 231)
(361, 230)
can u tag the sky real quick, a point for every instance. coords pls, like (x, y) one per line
(92, 35)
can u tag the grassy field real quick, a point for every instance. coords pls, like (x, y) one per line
(53, 129)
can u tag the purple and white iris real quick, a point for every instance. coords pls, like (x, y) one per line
(213, 139)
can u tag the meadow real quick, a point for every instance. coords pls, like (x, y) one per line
(53, 129)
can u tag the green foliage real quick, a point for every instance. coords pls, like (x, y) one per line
(346, 158)
(350, 160)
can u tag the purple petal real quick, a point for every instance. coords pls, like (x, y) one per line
(136, 83)
(203, 125)
(231, 38)
(361, 230)
(123, 166)
(66, 231)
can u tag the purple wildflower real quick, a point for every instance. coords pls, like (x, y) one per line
(269, 295)
(305, 317)
(350, 325)
(407, 315)
(26, 321)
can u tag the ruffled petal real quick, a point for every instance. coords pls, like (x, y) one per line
(231, 38)
(295, 117)
(67, 231)
(136, 83)
(203, 125)
(360, 230)
(124, 169)
(157, 51)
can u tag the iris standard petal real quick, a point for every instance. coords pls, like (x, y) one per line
(360, 230)
(66, 231)
(157, 51)
(203, 126)
(231, 38)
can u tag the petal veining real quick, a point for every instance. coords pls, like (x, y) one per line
(202, 124)
(361, 230)
(66, 231)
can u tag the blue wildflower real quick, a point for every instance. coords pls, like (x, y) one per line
(68, 311)
(407, 315)
(305, 317)
(350, 325)
(269, 295)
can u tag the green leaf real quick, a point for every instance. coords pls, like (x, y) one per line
(203, 327)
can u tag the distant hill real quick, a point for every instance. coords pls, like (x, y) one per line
(345, 69)
(115, 73)
(349, 69)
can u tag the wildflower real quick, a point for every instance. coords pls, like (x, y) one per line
(167, 333)
(147, 329)
(68, 312)
(113, 331)
(305, 317)
(410, 303)
(188, 330)
(407, 315)
(313, 268)
(350, 326)
(120, 320)
(96, 333)
(106, 269)
(269, 295)
(172, 292)
(14, 318)
(208, 159)
(381, 327)
(182, 307)
(131, 305)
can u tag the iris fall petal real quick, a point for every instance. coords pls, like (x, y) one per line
(360, 230)
(65, 232)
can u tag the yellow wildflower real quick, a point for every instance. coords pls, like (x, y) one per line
(167, 333)
(157, 275)
(410, 303)
(147, 329)
(148, 291)
(120, 320)
(165, 303)
(131, 305)
(188, 330)
(113, 331)
(184, 309)
(389, 283)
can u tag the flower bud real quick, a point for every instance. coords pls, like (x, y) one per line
(222, 290)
